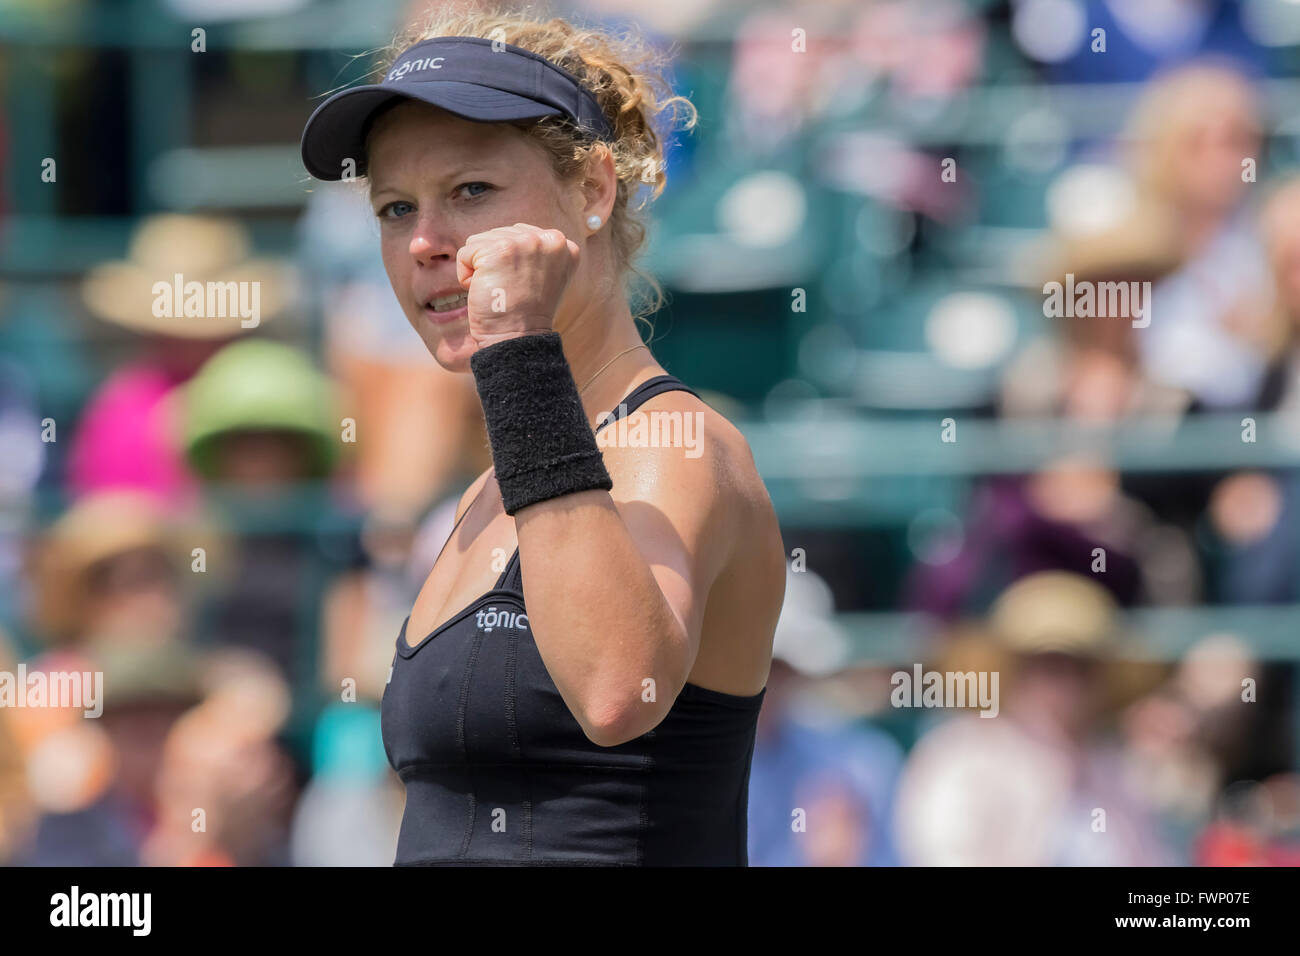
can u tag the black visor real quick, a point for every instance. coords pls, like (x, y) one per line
(474, 78)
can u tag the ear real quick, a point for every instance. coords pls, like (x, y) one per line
(599, 184)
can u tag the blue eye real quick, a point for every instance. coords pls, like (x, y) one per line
(485, 186)
(388, 211)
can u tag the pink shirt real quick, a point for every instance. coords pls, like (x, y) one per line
(127, 437)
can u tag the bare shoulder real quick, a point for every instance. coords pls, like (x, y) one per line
(678, 450)
(675, 443)
(759, 554)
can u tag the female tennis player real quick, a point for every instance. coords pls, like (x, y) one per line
(592, 698)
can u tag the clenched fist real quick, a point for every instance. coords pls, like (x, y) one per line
(515, 277)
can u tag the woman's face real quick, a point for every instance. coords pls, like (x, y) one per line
(134, 594)
(436, 180)
(1221, 131)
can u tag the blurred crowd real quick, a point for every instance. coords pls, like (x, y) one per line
(232, 522)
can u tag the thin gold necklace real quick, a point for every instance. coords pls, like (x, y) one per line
(607, 365)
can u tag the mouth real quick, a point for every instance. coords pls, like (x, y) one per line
(447, 308)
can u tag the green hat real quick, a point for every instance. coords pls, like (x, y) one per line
(258, 385)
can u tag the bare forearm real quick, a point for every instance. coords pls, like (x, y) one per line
(600, 619)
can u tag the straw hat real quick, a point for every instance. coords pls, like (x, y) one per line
(1141, 243)
(199, 249)
(1103, 226)
(1055, 612)
(100, 526)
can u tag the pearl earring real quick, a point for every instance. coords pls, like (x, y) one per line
(593, 222)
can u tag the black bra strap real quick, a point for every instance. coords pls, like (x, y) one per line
(642, 394)
(511, 578)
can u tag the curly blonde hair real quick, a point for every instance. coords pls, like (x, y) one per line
(625, 75)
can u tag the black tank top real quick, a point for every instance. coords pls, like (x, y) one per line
(498, 771)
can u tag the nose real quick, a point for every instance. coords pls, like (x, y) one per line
(432, 241)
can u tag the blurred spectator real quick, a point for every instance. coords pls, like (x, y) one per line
(1087, 367)
(1036, 785)
(93, 780)
(116, 568)
(127, 435)
(821, 786)
(112, 594)
(1109, 235)
(224, 787)
(1196, 144)
(1071, 515)
(1251, 528)
(1249, 536)
(1199, 732)
(259, 422)
(180, 769)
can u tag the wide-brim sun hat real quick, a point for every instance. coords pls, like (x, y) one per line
(471, 77)
(1144, 245)
(1102, 227)
(104, 525)
(1056, 612)
(211, 251)
(259, 385)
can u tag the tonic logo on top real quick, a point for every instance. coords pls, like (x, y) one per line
(415, 66)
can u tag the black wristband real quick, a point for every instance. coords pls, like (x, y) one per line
(542, 444)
